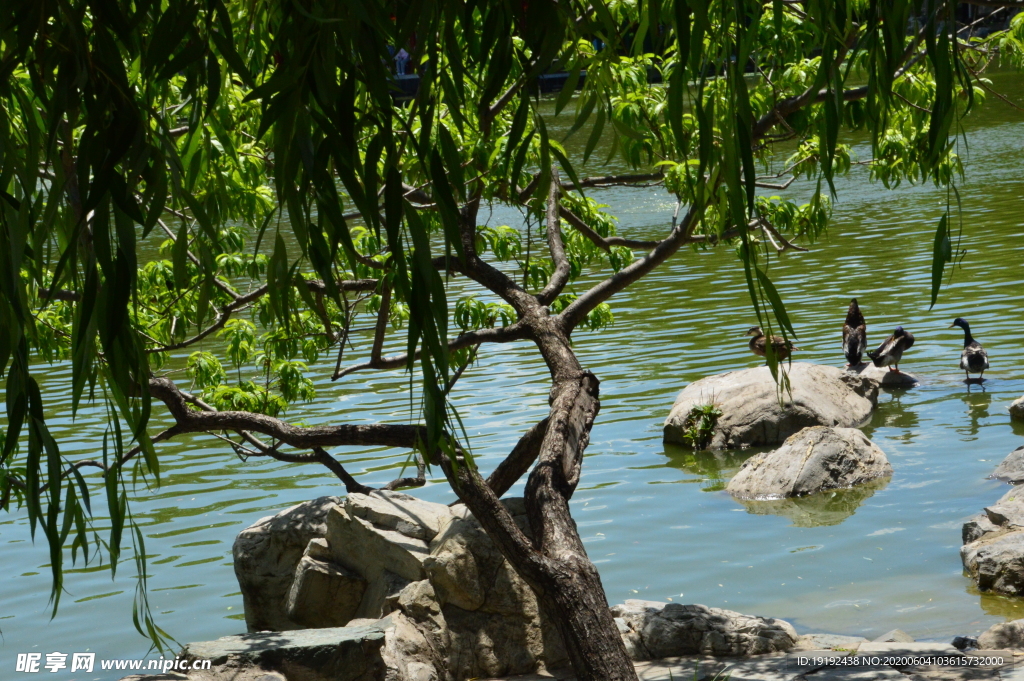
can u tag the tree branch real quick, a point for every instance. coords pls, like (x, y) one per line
(560, 276)
(189, 420)
(503, 334)
(614, 180)
(518, 462)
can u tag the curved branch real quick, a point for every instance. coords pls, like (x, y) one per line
(189, 420)
(579, 308)
(518, 462)
(560, 277)
(505, 334)
(605, 243)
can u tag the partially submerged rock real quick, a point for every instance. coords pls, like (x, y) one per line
(655, 630)
(817, 510)
(1017, 409)
(1011, 469)
(814, 460)
(884, 376)
(757, 412)
(993, 552)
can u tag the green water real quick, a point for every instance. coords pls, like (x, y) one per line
(653, 516)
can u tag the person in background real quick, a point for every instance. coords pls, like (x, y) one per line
(401, 59)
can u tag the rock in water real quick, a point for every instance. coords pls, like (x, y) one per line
(1017, 409)
(755, 413)
(814, 460)
(1011, 469)
(885, 377)
(993, 552)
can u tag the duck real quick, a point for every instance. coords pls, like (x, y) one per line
(974, 359)
(855, 334)
(758, 340)
(890, 352)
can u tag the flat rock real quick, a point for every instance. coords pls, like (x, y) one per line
(816, 459)
(658, 630)
(828, 642)
(755, 412)
(1011, 469)
(1017, 409)
(265, 556)
(336, 654)
(885, 377)
(895, 636)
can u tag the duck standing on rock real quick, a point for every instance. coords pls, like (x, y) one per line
(890, 352)
(974, 359)
(855, 334)
(758, 341)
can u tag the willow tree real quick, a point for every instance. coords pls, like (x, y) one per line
(265, 147)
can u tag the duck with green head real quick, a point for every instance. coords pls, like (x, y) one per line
(759, 341)
(973, 359)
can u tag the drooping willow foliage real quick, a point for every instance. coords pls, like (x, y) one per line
(266, 150)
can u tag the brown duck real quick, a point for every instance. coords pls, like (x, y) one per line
(758, 341)
(855, 334)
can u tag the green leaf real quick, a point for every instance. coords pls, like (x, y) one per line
(942, 252)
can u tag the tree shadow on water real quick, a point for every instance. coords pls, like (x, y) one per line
(816, 510)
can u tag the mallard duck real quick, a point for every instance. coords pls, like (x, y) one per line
(759, 340)
(855, 334)
(974, 359)
(890, 352)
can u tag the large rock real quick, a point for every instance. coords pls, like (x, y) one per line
(1002, 636)
(756, 411)
(452, 606)
(814, 460)
(1011, 469)
(266, 554)
(993, 552)
(655, 630)
(337, 654)
(1017, 409)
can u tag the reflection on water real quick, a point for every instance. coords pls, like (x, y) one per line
(817, 510)
(712, 468)
(978, 402)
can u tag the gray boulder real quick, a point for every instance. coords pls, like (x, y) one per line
(655, 630)
(1002, 636)
(993, 552)
(1017, 409)
(895, 636)
(757, 412)
(816, 459)
(450, 604)
(1011, 469)
(265, 556)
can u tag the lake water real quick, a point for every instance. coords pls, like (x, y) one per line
(654, 517)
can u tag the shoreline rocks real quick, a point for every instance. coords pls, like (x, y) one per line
(816, 459)
(755, 413)
(993, 550)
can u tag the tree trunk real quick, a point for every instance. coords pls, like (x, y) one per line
(555, 563)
